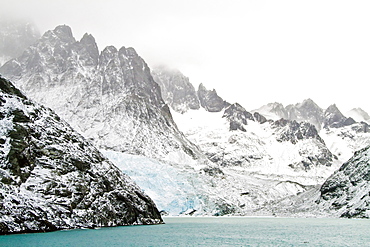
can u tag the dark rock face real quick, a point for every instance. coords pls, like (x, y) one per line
(51, 178)
(294, 131)
(210, 101)
(111, 97)
(15, 37)
(347, 191)
(176, 89)
(259, 118)
(333, 118)
(237, 116)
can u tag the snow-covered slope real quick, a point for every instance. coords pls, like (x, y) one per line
(272, 148)
(51, 178)
(262, 163)
(346, 193)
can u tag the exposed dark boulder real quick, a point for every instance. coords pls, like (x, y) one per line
(210, 100)
(237, 117)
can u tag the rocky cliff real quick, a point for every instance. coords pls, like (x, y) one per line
(51, 178)
(347, 192)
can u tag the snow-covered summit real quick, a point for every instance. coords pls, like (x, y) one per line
(110, 97)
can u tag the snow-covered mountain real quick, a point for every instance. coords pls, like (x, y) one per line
(307, 111)
(359, 115)
(346, 193)
(52, 178)
(207, 157)
(275, 157)
(111, 97)
(342, 134)
(15, 37)
(176, 89)
(180, 95)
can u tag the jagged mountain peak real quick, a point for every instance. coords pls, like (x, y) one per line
(273, 111)
(88, 39)
(333, 109)
(210, 100)
(61, 33)
(334, 118)
(275, 105)
(110, 97)
(308, 104)
(307, 111)
(176, 89)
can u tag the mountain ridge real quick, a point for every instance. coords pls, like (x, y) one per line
(95, 91)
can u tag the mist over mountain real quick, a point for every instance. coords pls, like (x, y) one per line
(15, 37)
(359, 115)
(179, 93)
(111, 97)
(176, 89)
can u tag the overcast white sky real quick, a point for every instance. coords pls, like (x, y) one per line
(252, 52)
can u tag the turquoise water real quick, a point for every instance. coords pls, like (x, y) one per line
(210, 231)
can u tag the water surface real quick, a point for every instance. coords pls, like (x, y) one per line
(210, 231)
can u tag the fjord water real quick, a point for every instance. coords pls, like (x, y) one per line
(210, 231)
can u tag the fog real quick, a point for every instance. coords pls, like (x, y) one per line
(252, 52)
